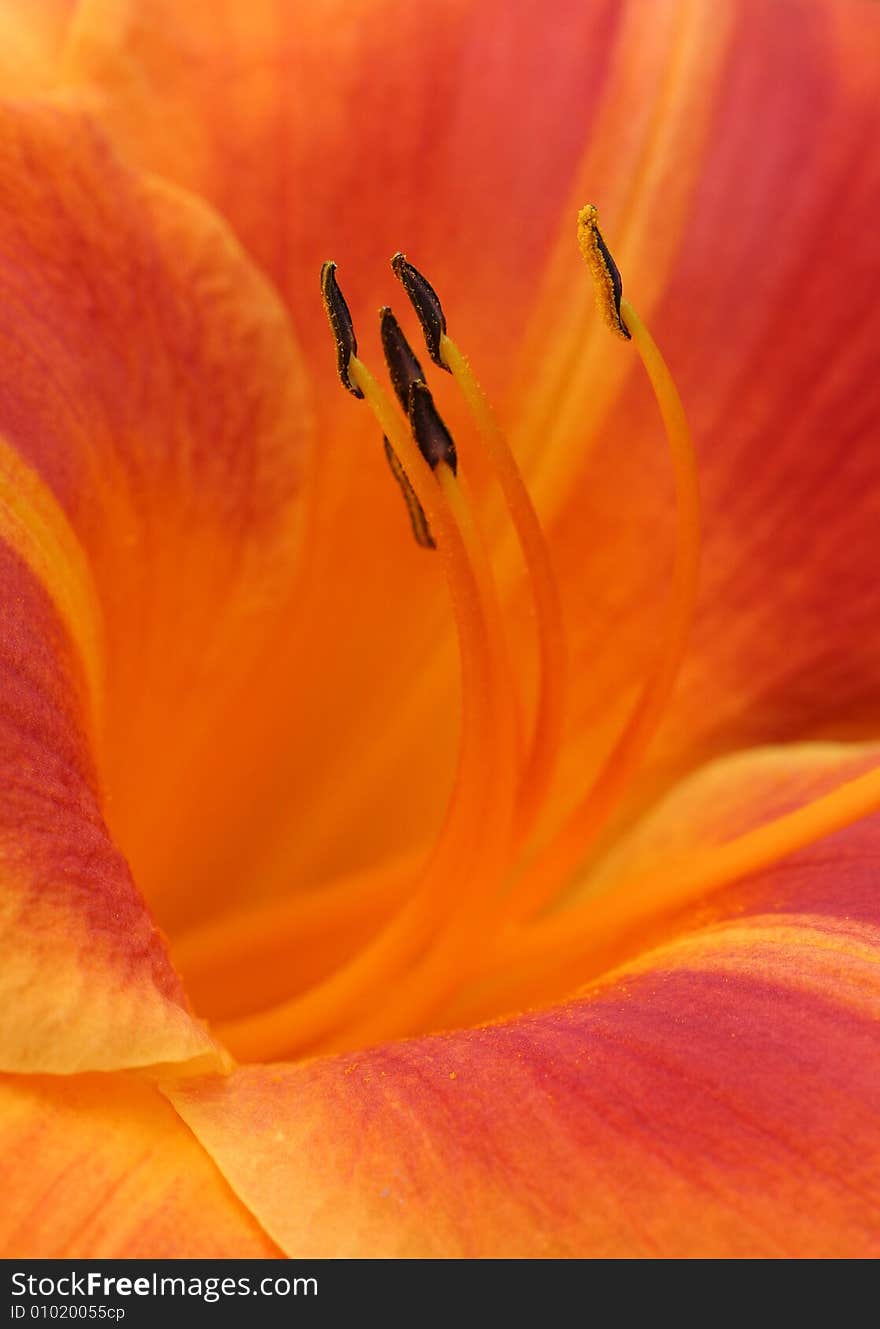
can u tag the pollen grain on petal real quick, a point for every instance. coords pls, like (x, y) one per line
(341, 323)
(603, 269)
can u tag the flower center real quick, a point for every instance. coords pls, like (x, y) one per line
(483, 928)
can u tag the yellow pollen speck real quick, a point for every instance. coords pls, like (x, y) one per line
(603, 270)
(453, 1075)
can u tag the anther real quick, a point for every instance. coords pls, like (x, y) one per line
(426, 303)
(340, 322)
(603, 269)
(429, 431)
(403, 370)
(419, 522)
(403, 366)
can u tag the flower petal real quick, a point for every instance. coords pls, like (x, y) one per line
(152, 442)
(85, 979)
(101, 1168)
(31, 43)
(719, 1095)
(707, 1108)
(357, 126)
(722, 844)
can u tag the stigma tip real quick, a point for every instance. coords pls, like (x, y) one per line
(603, 269)
(341, 325)
(434, 439)
(426, 302)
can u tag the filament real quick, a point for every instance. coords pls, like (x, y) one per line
(550, 709)
(459, 942)
(604, 928)
(309, 1016)
(555, 864)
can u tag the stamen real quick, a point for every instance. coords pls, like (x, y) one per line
(603, 269)
(233, 943)
(427, 305)
(550, 708)
(457, 920)
(404, 370)
(554, 866)
(458, 944)
(341, 325)
(308, 1017)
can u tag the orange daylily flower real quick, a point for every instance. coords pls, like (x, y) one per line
(497, 899)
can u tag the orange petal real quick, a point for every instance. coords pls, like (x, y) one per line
(101, 1168)
(85, 979)
(715, 1097)
(151, 446)
(722, 1104)
(352, 127)
(32, 37)
(721, 844)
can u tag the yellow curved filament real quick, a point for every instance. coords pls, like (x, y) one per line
(308, 1017)
(459, 939)
(603, 929)
(550, 710)
(555, 864)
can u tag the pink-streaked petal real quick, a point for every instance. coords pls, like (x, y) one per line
(153, 438)
(99, 1167)
(706, 1107)
(716, 1094)
(85, 979)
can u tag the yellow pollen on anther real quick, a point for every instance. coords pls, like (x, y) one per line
(603, 270)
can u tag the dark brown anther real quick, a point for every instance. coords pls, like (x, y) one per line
(403, 367)
(616, 282)
(429, 431)
(426, 303)
(604, 271)
(340, 322)
(419, 522)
